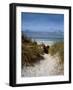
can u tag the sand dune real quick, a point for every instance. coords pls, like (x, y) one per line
(47, 67)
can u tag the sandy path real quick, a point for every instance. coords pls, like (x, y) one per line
(49, 66)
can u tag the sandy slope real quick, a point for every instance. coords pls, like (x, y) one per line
(49, 66)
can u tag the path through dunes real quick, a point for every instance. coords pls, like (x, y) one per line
(49, 66)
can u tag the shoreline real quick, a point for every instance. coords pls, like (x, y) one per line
(45, 42)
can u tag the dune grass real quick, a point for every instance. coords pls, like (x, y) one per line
(58, 48)
(31, 52)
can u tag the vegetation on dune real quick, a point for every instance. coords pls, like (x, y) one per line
(31, 52)
(58, 48)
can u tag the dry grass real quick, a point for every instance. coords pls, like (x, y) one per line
(58, 48)
(31, 52)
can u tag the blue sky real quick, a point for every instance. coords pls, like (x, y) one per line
(42, 22)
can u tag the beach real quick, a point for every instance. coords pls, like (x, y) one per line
(48, 67)
(45, 42)
(42, 44)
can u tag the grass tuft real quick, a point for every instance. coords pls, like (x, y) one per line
(31, 52)
(58, 48)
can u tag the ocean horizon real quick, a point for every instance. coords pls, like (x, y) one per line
(47, 38)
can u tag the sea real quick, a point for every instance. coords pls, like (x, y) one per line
(47, 38)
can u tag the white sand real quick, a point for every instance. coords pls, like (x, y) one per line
(49, 66)
(46, 42)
